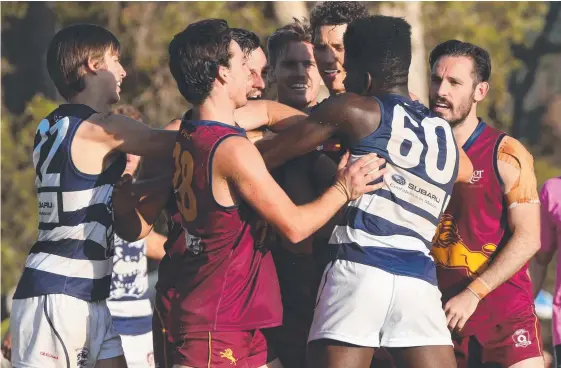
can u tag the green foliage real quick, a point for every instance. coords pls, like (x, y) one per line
(19, 204)
(14, 9)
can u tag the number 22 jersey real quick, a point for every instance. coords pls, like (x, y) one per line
(225, 279)
(74, 251)
(392, 228)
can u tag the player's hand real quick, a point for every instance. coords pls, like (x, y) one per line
(354, 180)
(7, 346)
(124, 200)
(459, 309)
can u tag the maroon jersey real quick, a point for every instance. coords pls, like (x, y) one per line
(473, 229)
(225, 280)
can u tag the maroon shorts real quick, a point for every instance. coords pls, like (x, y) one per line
(244, 349)
(161, 336)
(513, 340)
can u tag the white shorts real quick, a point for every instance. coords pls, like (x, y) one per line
(365, 306)
(139, 350)
(58, 330)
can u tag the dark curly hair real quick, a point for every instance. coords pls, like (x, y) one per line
(381, 46)
(336, 13)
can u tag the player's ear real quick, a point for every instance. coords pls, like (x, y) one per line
(367, 82)
(222, 74)
(481, 90)
(94, 64)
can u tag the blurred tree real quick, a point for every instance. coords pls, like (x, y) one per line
(19, 203)
(535, 84)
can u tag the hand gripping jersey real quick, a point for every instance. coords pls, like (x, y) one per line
(74, 251)
(226, 280)
(392, 228)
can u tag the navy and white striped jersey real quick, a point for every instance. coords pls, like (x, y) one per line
(392, 228)
(74, 251)
(128, 301)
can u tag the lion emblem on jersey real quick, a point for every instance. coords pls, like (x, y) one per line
(450, 251)
(229, 354)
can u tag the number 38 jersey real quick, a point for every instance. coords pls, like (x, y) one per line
(225, 279)
(73, 254)
(392, 228)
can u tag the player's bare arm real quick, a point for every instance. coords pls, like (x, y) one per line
(121, 133)
(155, 246)
(349, 116)
(239, 162)
(135, 215)
(137, 207)
(516, 169)
(266, 113)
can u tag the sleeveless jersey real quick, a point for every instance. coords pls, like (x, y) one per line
(74, 251)
(128, 301)
(392, 228)
(225, 279)
(474, 228)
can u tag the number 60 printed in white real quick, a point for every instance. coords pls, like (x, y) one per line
(401, 133)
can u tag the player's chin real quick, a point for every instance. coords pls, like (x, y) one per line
(114, 99)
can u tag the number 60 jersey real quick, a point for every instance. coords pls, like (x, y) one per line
(392, 228)
(73, 254)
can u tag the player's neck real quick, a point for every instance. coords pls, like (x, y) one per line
(464, 130)
(96, 101)
(220, 110)
(402, 91)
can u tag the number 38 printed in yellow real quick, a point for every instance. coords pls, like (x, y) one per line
(182, 179)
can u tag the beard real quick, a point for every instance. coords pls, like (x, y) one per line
(457, 115)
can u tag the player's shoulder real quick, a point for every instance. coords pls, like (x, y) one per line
(175, 124)
(235, 153)
(513, 151)
(349, 106)
(235, 147)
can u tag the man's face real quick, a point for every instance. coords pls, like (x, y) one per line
(452, 88)
(297, 75)
(239, 75)
(257, 64)
(329, 53)
(111, 74)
